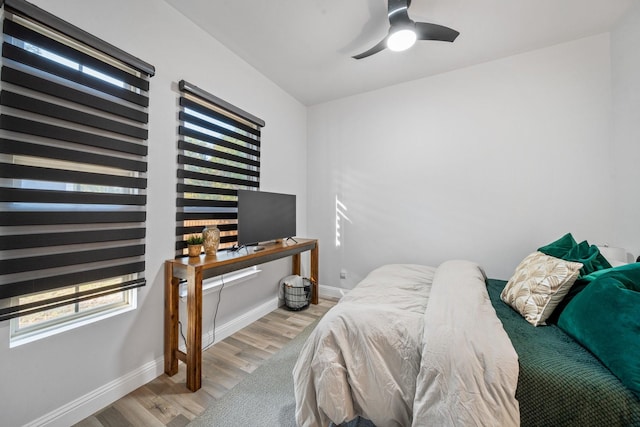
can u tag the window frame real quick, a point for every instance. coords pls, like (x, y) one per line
(20, 336)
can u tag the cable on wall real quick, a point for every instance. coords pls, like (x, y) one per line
(215, 315)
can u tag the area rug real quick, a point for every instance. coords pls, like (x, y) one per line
(264, 398)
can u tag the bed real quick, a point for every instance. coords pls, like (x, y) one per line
(561, 383)
(414, 345)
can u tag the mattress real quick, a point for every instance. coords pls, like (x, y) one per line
(560, 382)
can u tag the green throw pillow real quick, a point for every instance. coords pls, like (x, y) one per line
(567, 249)
(605, 319)
(560, 247)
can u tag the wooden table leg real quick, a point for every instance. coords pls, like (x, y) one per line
(171, 313)
(295, 267)
(194, 329)
(314, 274)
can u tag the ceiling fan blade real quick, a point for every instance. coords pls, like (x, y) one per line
(426, 31)
(377, 48)
(397, 11)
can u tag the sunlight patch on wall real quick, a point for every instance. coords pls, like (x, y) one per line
(340, 215)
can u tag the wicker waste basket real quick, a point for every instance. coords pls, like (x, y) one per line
(296, 292)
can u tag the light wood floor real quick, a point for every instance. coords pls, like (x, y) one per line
(166, 401)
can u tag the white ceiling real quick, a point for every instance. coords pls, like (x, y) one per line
(305, 46)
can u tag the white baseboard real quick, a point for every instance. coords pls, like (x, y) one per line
(101, 397)
(105, 395)
(332, 292)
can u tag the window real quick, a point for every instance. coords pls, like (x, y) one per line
(73, 181)
(219, 153)
(30, 327)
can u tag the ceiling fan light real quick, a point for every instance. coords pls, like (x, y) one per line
(401, 40)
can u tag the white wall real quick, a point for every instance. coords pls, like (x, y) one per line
(42, 378)
(485, 163)
(625, 64)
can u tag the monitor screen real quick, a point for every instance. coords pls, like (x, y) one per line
(264, 216)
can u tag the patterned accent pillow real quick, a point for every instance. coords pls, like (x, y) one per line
(538, 285)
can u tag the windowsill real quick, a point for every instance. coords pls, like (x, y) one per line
(74, 323)
(215, 284)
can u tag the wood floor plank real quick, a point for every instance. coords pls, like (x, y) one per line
(161, 408)
(190, 403)
(111, 417)
(213, 388)
(165, 401)
(251, 354)
(232, 360)
(255, 339)
(179, 421)
(245, 347)
(136, 413)
(91, 421)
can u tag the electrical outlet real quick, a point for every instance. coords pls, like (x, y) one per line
(343, 274)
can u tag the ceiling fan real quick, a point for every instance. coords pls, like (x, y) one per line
(404, 32)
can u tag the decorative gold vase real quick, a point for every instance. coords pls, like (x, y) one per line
(211, 237)
(194, 250)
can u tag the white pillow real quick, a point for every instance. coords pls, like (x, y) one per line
(615, 256)
(538, 285)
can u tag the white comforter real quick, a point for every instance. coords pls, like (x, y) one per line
(410, 346)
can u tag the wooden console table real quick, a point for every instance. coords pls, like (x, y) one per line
(194, 270)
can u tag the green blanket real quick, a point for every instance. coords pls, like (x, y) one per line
(561, 383)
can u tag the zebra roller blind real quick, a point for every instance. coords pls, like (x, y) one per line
(73, 130)
(218, 153)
